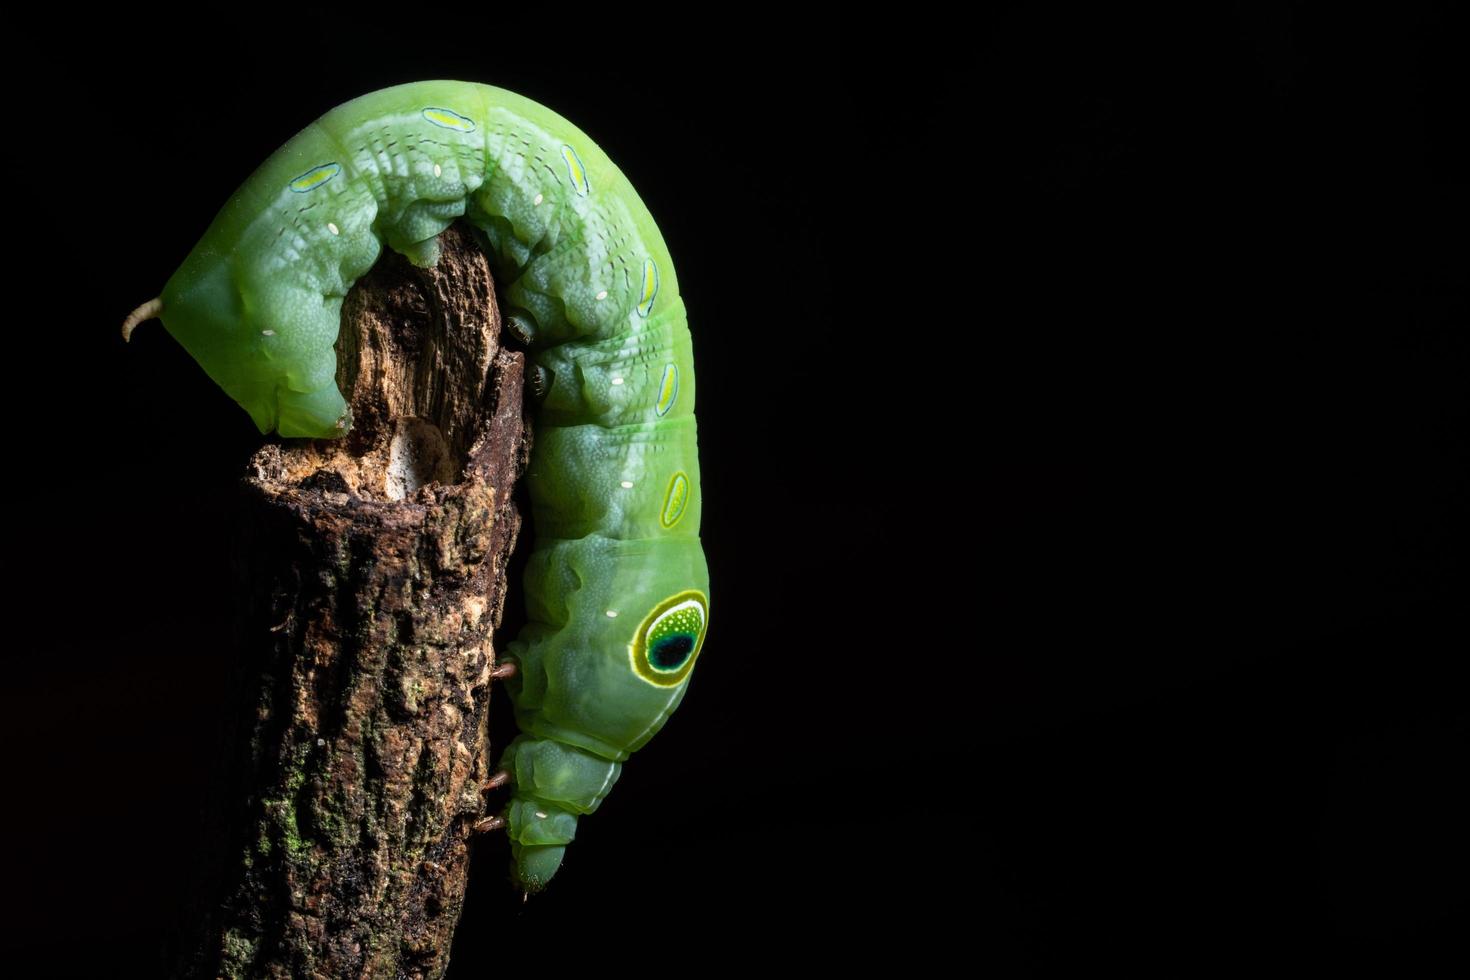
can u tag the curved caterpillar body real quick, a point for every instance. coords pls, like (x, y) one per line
(616, 589)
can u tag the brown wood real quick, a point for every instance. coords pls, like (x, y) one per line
(372, 576)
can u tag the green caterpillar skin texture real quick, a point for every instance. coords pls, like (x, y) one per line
(617, 589)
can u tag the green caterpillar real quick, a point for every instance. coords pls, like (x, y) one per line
(617, 590)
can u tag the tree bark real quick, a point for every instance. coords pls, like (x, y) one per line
(372, 577)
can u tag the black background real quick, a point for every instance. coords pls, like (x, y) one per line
(1081, 405)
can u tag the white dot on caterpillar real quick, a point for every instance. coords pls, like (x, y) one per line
(540, 815)
(333, 228)
(267, 333)
(612, 614)
(537, 203)
(438, 171)
(617, 381)
(627, 485)
(602, 296)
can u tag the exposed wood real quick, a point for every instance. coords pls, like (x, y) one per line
(372, 575)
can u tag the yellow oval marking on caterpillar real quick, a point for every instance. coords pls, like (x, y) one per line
(438, 170)
(449, 119)
(668, 390)
(575, 170)
(650, 287)
(675, 500)
(315, 177)
(332, 227)
(537, 203)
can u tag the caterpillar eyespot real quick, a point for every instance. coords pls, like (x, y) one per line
(668, 641)
(615, 496)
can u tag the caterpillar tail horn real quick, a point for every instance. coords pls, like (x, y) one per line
(147, 311)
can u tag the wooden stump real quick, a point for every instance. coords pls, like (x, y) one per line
(372, 576)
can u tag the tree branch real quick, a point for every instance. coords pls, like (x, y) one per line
(372, 576)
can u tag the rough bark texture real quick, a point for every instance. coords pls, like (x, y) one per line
(373, 573)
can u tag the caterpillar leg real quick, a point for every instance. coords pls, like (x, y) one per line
(540, 381)
(521, 327)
